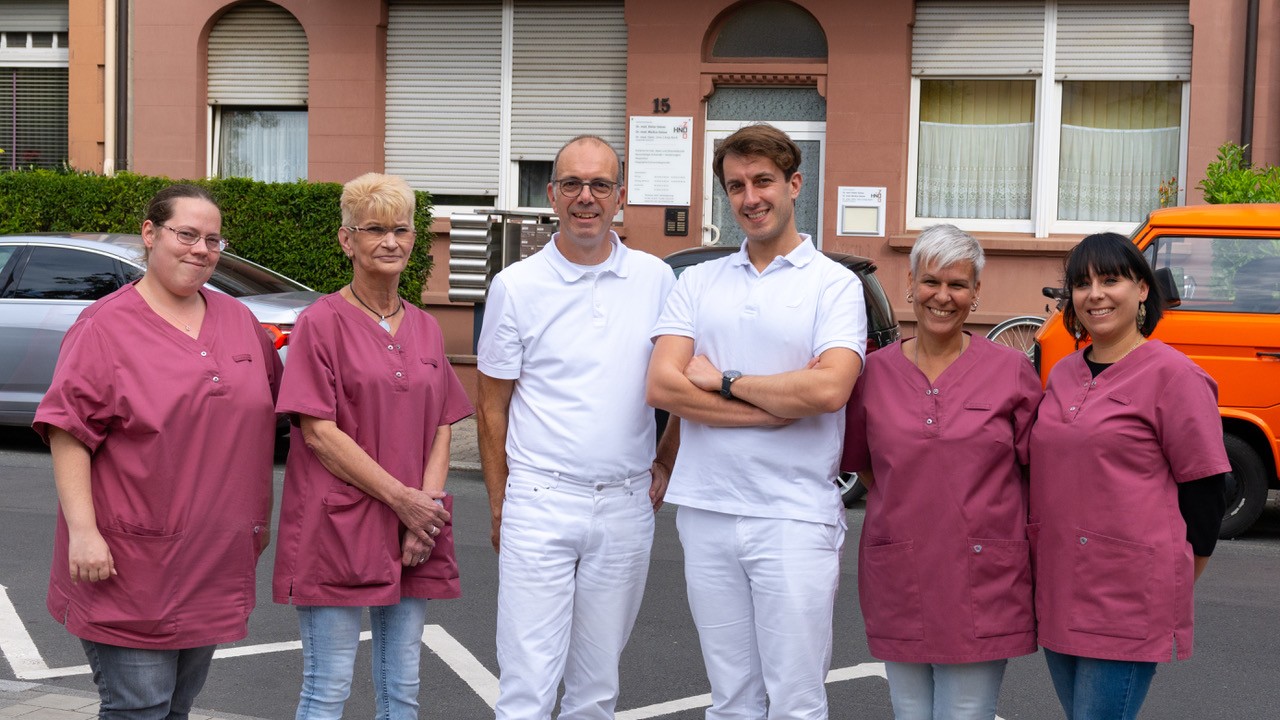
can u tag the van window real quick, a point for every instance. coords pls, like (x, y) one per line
(1219, 274)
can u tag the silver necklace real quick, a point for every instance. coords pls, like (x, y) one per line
(382, 319)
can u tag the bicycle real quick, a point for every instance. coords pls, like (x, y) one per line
(1019, 332)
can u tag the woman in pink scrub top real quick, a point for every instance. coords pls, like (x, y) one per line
(937, 429)
(161, 422)
(1127, 468)
(364, 521)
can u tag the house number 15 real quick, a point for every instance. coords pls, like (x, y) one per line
(662, 105)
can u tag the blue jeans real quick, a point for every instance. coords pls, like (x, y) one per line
(953, 691)
(136, 684)
(330, 636)
(1092, 689)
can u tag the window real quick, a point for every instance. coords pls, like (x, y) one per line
(1218, 274)
(1023, 120)
(480, 95)
(60, 274)
(770, 29)
(266, 145)
(258, 74)
(33, 84)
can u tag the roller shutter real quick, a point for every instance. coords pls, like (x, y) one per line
(33, 15)
(954, 37)
(569, 75)
(1123, 41)
(444, 95)
(258, 56)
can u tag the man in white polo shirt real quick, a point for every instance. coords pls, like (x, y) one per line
(757, 353)
(567, 445)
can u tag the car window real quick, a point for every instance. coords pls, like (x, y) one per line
(1218, 274)
(66, 274)
(879, 311)
(238, 278)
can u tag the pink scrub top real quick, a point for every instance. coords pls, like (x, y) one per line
(390, 393)
(182, 433)
(944, 568)
(1114, 570)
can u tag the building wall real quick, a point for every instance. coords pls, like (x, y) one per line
(866, 81)
(86, 119)
(346, 101)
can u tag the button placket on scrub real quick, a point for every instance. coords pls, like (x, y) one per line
(932, 413)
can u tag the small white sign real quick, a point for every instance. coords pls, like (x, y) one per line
(660, 160)
(861, 211)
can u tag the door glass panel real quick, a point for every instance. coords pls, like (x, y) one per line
(806, 205)
(767, 104)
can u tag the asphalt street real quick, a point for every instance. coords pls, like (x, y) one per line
(1233, 675)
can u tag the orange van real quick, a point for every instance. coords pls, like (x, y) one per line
(1225, 266)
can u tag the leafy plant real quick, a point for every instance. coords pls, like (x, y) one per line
(291, 228)
(1229, 180)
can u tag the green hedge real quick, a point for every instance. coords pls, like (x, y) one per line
(1229, 180)
(291, 228)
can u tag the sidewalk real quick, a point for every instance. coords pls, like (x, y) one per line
(464, 453)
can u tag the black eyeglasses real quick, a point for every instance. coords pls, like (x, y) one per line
(401, 232)
(186, 236)
(572, 187)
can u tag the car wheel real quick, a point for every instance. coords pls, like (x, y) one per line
(1246, 487)
(851, 491)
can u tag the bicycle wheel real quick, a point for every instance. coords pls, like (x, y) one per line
(1018, 333)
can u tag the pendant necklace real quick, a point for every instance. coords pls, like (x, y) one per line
(382, 319)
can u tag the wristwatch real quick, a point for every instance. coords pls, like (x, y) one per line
(727, 381)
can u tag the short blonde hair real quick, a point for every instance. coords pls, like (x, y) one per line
(374, 195)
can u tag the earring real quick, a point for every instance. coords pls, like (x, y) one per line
(1142, 315)
(974, 306)
(1077, 329)
(910, 298)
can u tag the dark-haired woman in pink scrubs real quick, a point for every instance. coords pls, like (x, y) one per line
(1127, 466)
(364, 521)
(161, 422)
(938, 428)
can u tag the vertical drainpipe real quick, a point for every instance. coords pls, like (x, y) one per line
(1250, 70)
(109, 90)
(122, 85)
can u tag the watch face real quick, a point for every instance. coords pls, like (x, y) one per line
(732, 374)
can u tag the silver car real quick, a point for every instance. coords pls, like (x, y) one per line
(47, 279)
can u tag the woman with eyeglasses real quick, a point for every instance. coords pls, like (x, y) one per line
(364, 520)
(161, 422)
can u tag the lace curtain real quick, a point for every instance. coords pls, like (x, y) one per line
(974, 171)
(1114, 175)
(265, 145)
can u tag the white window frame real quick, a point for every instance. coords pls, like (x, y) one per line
(1045, 153)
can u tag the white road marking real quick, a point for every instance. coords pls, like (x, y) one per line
(21, 652)
(462, 662)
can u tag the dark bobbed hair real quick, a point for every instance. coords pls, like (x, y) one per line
(1110, 254)
(160, 208)
(761, 140)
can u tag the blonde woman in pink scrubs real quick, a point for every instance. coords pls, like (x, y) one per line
(938, 429)
(161, 422)
(364, 521)
(1127, 468)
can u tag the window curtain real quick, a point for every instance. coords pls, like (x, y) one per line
(974, 171)
(265, 145)
(1119, 142)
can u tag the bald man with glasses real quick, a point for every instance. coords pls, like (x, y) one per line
(567, 445)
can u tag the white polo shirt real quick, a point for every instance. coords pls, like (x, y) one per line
(763, 323)
(576, 341)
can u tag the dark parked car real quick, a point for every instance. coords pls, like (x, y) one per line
(47, 279)
(882, 329)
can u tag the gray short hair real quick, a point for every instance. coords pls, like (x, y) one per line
(617, 159)
(944, 246)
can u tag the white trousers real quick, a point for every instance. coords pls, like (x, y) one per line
(761, 591)
(571, 573)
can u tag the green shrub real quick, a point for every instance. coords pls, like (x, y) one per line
(1228, 180)
(291, 228)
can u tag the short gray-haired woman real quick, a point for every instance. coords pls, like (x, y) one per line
(938, 429)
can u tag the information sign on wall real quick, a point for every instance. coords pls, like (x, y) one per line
(660, 160)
